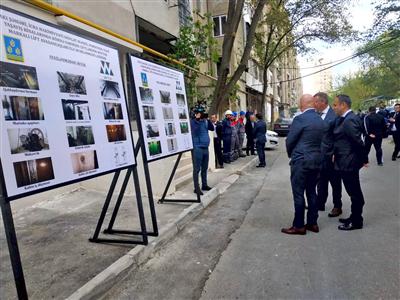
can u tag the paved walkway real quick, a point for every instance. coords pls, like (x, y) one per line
(53, 237)
(235, 249)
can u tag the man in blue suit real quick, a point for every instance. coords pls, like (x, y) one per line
(303, 145)
(349, 157)
(259, 131)
(328, 173)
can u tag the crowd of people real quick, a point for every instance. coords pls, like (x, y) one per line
(330, 145)
(326, 145)
(229, 135)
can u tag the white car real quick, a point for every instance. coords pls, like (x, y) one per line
(272, 140)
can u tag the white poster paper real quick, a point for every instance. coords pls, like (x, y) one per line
(64, 115)
(163, 109)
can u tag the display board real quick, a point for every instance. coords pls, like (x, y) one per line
(64, 116)
(162, 104)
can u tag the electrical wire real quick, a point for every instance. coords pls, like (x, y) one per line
(336, 64)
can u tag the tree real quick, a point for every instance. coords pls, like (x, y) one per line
(290, 25)
(226, 84)
(194, 46)
(387, 17)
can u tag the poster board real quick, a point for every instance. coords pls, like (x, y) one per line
(64, 116)
(163, 109)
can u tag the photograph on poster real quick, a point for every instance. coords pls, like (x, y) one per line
(27, 140)
(149, 112)
(80, 135)
(109, 89)
(146, 95)
(33, 171)
(84, 161)
(165, 97)
(180, 99)
(167, 113)
(116, 133)
(22, 108)
(120, 155)
(71, 83)
(182, 114)
(112, 111)
(75, 109)
(18, 76)
(152, 130)
(184, 127)
(154, 148)
(172, 145)
(170, 129)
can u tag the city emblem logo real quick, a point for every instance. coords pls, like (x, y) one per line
(145, 83)
(105, 68)
(13, 48)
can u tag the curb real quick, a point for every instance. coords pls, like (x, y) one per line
(99, 285)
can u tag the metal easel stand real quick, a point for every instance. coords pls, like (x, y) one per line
(13, 249)
(163, 199)
(110, 229)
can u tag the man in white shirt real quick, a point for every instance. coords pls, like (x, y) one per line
(328, 173)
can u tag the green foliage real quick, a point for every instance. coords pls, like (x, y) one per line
(194, 46)
(380, 75)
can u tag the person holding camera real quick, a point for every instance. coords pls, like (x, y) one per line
(200, 126)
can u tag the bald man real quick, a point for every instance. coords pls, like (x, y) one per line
(303, 146)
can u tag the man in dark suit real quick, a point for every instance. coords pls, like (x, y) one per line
(328, 173)
(375, 128)
(349, 157)
(259, 131)
(395, 129)
(219, 159)
(250, 121)
(303, 146)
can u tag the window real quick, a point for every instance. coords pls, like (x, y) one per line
(184, 12)
(219, 25)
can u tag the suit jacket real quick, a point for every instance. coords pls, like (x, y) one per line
(259, 131)
(249, 129)
(304, 139)
(327, 140)
(218, 130)
(375, 124)
(396, 117)
(349, 149)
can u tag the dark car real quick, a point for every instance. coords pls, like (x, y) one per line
(282, 126)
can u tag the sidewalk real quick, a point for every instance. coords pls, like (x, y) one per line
(53, 235)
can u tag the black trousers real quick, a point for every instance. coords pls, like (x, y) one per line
(304, 180)
(377, 142)
(261, 152)
(396, 139)
(351, 181)
(250, 146)
(219, 159)
(329, 175)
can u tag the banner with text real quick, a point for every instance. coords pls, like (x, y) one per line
(64, 114)
(163, 109)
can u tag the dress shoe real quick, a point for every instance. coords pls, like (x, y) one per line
(260, 166)
(345, 220)
(242, 155)
(335, 212)
(394, 158)
(380, 164)
(206, 188)
(198, 192)
(349, 226)
(313, 228)
(294, 230)
(398, 156)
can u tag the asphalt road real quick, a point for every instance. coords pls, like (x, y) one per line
(235, 249)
